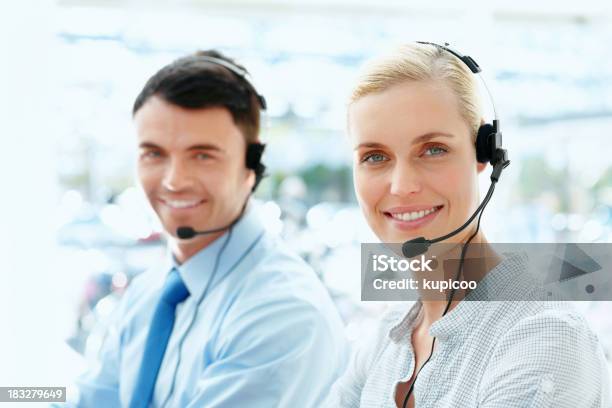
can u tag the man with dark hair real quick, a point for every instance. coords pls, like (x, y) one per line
(231, 318)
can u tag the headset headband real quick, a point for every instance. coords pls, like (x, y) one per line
(474, 68)
(240, 72)
(467, 60)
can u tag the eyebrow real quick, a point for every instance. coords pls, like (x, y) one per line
(420, 139)
(206, 146)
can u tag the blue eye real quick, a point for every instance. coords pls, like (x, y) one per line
(151, 154)
(202, 156)
(435, 151)
(374, 158)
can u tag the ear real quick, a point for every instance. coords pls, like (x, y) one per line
(250, 180)
(480, 167)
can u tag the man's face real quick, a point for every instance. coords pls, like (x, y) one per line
(191, 165)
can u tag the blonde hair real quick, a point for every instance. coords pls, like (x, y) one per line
(423, 62)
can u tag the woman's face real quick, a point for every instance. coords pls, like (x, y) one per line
(414, 167)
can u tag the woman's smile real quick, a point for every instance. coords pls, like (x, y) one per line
(405, 219)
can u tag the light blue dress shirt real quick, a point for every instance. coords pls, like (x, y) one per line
(264, 334)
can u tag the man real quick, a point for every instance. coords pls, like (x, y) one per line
(232, 318)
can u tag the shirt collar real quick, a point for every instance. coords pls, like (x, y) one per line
(197, 271)
(497, 281)
(398, 333)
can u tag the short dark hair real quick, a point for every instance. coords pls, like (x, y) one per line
(192, 82)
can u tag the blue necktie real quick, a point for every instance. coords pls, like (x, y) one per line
(174, 292)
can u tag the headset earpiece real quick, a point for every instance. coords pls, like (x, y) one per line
(262, 101)
(489, 144)
(484, 143)
(253, 161)
(489, 149)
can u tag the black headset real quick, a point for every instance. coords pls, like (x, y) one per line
(254, 151)
(488, 150)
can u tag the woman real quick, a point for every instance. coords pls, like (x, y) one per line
(413, 119)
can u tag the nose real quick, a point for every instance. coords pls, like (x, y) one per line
(177, 176)
(405, 179)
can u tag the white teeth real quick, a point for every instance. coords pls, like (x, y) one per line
(411, 216)
(181, 204)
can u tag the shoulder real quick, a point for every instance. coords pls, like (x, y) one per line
(275, 291)
(555, 336)
(276, 275)
(543, 322)
(552, 344)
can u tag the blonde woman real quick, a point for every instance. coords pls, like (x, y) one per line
(413, 120)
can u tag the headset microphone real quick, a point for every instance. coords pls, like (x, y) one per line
(488, 150)
(188, 232)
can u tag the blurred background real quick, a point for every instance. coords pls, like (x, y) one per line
(75, 229)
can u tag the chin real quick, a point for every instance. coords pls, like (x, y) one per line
(170, 230)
